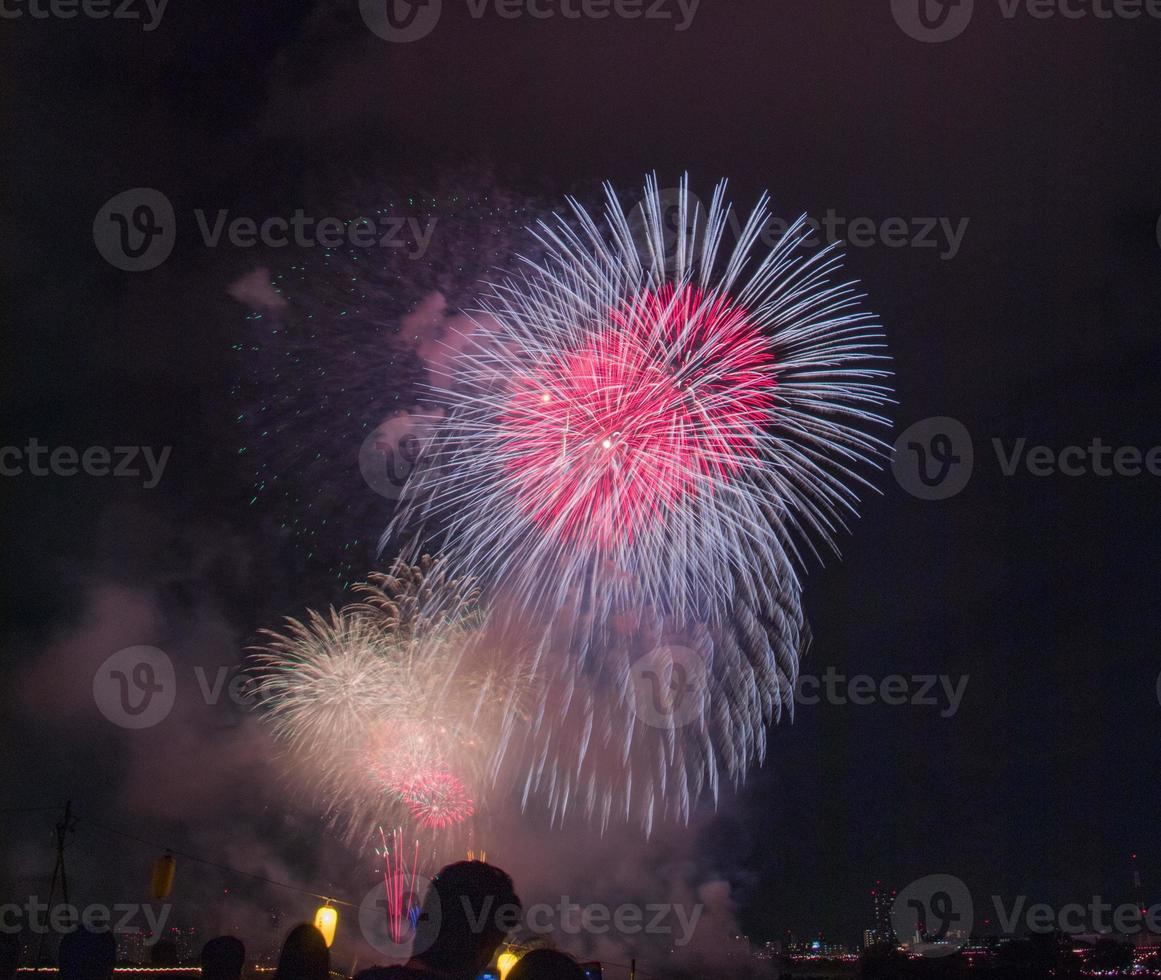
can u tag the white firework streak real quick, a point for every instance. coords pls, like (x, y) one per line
(717, 567)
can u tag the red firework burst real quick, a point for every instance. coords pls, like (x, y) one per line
(670, 397)
(438, 799)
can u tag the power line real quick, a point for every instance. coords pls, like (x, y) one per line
(214, 864)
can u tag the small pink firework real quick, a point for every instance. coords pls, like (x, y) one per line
(437, 799)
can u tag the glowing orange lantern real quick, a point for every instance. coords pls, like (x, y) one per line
(326, 920)
(161, 881)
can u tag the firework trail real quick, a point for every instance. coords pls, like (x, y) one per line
(643, 444)
(401, 871)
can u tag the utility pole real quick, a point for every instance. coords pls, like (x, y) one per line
(58, 870)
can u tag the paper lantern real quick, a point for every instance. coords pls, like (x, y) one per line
(326, 919)
(161, 881)
(505, 962)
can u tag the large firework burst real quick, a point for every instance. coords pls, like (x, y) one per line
(654, 420)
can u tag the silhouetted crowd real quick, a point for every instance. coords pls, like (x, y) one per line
(457, 935)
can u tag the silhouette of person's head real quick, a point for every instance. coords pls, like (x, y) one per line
(9, 954)
(546, 964)
(466, 914)
(223, 958)
(163, 953)
(86, 955)
(304, 955)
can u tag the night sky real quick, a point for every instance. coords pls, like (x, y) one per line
(1040, 325)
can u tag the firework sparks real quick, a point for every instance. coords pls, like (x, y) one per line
(634, 432)
(385, 707)
(437, 799)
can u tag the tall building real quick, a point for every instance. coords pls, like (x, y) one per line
(185, 939)
(131, 946)
(882, 899)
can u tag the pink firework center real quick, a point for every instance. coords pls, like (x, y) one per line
(669, 399)
(437, 799)
(406, 760)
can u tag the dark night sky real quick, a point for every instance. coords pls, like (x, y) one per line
(1041, 590)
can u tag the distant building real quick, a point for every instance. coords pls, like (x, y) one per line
(132, 948)
(882, 932)
(186, 939)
